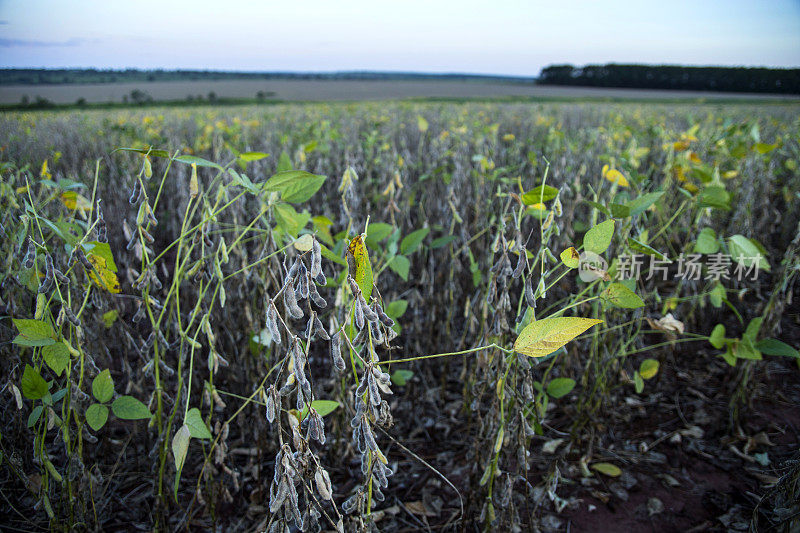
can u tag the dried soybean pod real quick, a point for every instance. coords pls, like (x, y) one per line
(290, 300)
(359, 316)
(369, 314)
(136, 193)
(320, 330)
(318, 300)
(30, 255)
(302, 283)
(336, 352)
(270, 407)
(316, 259)
(520, 265)
(384, 318)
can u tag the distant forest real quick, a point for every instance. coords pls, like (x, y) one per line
(71, 76)
(723, 79)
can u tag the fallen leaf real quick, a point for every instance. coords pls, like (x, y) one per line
(551, 446)
(418, 508)
(668, 324)
(607, 469)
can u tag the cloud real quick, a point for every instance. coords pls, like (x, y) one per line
(8, 43)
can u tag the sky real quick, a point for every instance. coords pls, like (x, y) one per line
(486, 37)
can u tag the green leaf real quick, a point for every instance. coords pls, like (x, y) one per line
(129, 408)
(598, 238)
(252, 156)
(412, 241)
(147, 151)
(745, 349)
(715, 197)
(377, 232)
(776, 347)
(641, 247)
(620, 211)
(560, 387)
(717, 294)
(197, 427)
(717, 337)
(284, 162)
(728, 355)
(442, 241)
(638, 382)
(324, 407)
(401, 265)
(648, 368)
(34, 332)
(103, 386)
(109, 317)
(543, 337)
(56, 356)
(295, 186)
(34, 416)
(34, 387)
(330, 256)
(199, 161)
(607, 469)
(401, 377)
(539, 195)
(290, 220)
(747, 252)
(752, 329)
(621, 296)
(707, 242)
(180, 446)
(396, 309)
(96, 416)
(641, 204)
(600, 207)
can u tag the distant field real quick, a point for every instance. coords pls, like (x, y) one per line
(319, 90)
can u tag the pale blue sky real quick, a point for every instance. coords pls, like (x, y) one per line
(498, 37)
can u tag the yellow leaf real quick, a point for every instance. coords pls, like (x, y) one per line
(304, 243)
(694, 158)
(607, 469)
(615, 176)
(103, 276)
(73, 200)
(543, 337)
(680, 146)
(45, 174)
(570, 257)
(422, 124)
(359, 265)
(648, 369)
(194, 186)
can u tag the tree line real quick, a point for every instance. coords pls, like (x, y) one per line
(723, 79)
(11, 76)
